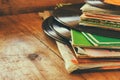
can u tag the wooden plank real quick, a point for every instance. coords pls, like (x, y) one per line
(36, 29)
(17, 43)
(27, 54)
(112, 75)
(26, 6)
(4, 7)
(33, 22)
(14, 64)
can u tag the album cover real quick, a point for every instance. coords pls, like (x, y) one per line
(102, 18)
(83, 39)
(85, 64)
(96, 53)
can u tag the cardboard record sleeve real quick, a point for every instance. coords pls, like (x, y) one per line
(69, 16)
(103, 4)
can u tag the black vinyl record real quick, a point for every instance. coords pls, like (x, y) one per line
(68, 15)
(60, 29)
(101, 4)
(47, 29)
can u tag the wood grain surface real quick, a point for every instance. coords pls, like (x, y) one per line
(27, 53)
(9, 7)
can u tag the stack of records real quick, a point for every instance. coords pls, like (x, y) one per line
(87, 35)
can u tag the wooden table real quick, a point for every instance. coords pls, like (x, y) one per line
(26, 53)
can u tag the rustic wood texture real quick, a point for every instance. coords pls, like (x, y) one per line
(26, 53)
(24, 6)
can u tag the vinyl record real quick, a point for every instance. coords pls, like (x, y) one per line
(101, 4)
(60, 29)
(51, 33)
(68, 15)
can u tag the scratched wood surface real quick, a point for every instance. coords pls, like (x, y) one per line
(26, 53)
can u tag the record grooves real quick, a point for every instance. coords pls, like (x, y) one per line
(47, 29)
(62, 26)
(68, 15)
(60, 29)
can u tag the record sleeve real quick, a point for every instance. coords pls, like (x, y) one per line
(102, 4)
(73, 64)
(69, 16)
(86, 40)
